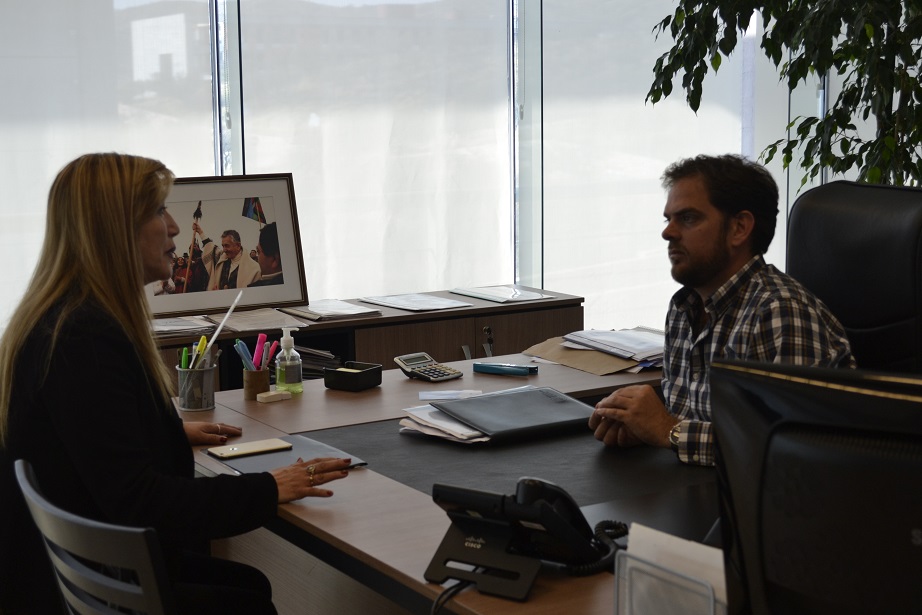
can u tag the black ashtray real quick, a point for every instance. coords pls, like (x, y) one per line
(353, 376)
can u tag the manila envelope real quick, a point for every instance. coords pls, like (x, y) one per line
(592, 361)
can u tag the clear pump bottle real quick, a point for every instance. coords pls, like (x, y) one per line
(288, 365)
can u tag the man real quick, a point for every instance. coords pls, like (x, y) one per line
(228, 267)
(720, 219)
(268, 257)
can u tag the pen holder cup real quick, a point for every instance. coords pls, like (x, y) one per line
(254, 383)
(196, 388)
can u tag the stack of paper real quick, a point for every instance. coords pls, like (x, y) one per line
(639, 344)
(416, 302)
(257, 320)
(431, 422)
(314, 360)
(183, 326)
(330, 309)
(501, 294)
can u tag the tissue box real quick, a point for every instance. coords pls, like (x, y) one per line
(353, 376)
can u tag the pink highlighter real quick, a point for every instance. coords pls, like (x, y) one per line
(258, 351)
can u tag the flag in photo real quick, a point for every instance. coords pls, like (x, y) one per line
(253, 210)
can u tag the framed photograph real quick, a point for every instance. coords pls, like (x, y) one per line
(222, 220)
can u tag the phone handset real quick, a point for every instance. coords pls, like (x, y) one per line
(529, 491)
(421, 365)
(535, 492)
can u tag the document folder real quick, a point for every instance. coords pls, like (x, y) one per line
(305, 448)
(525, 413)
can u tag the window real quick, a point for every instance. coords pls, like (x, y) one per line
(604, 151)
(414, 170)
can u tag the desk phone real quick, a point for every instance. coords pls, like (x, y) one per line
(422, 366)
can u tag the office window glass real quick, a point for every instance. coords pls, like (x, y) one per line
(131, 76)
(393, 118)
(605, 150)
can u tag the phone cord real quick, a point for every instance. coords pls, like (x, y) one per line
(606, 532)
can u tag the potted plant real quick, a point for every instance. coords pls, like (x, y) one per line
(873, 47)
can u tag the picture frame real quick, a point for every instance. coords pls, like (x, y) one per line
(246, 204)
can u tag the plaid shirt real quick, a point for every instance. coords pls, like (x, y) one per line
(760, 314)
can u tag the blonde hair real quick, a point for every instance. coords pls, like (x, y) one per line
(96, 207)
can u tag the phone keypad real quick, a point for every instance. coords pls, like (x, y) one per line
(437, 372)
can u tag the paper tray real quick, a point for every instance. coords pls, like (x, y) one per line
(353, 376)
(644, 587)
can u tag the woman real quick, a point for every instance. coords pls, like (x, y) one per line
(86, 399)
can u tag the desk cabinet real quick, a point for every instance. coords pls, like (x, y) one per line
(444, 334)
(450, 339)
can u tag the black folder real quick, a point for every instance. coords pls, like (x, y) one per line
(305, 448)
(523, 413)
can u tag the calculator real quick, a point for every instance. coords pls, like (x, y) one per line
(422, 366)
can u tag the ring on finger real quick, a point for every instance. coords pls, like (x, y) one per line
(219, 428)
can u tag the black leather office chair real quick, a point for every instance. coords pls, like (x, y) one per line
(115, 553)
(858, 247)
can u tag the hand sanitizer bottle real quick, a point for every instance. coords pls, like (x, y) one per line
(288, 365)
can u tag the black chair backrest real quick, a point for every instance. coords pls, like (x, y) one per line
(100, 568)
(858, 247)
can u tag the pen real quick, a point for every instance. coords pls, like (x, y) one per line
(244, 353)
(197, 349)
(271, 352)
(184, 362)
(223, 320)
(265, 355)
(258, 351)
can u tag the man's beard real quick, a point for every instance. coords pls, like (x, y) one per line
(698, 273)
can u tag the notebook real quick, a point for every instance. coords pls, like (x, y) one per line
(524, 413)
(305, 448)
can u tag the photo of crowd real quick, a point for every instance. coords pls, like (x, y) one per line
(224, 262)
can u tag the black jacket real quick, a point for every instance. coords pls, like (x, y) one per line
(104, 446)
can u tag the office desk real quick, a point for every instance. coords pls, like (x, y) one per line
(382, 532)
(321, 408)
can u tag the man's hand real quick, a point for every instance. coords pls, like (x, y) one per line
(611, 432)
(632, 415)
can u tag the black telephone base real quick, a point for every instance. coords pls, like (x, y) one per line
(495, 571)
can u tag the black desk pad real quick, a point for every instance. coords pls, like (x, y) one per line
(591, 473)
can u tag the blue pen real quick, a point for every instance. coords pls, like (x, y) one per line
(244, 353)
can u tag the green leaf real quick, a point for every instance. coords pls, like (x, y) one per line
(679, 17)
(870, 49)
(873, 175)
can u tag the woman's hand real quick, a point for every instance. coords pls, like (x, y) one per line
(200, 432)
(301, 479)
